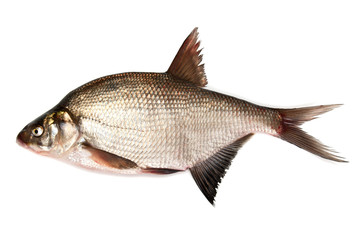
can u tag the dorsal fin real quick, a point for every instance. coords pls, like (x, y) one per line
(209, 173)
(187, 63)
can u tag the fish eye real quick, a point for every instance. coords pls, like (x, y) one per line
(37, 132)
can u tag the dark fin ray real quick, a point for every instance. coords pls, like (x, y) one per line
(298, 116)
(108, 159)
(160, 170)
(209, 173)
(292, 133)
(187, 63)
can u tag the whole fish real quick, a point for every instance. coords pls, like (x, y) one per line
(162, 123)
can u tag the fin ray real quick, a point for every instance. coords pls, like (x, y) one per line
(209, 173)
(108, 159)
(292, 133)
(160, 170)
(187, 63)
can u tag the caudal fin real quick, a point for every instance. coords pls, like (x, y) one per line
(292, 133)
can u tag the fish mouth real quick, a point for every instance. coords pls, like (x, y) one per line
(20, 141)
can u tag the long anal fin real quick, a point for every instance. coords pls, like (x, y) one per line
(108, 159)
(209, 173)
(187, 63)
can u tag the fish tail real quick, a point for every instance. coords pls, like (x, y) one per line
(290, 130)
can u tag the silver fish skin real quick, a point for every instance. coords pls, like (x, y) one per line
(158, 121)
(163, 123)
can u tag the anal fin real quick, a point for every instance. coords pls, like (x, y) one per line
(209, 173)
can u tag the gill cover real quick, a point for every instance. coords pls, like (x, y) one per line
(53, 133)
(67, 131)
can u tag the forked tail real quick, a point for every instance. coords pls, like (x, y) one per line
(291, 132)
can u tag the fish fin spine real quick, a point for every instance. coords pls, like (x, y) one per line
(290, 130)
(187, 63)
(209, 173)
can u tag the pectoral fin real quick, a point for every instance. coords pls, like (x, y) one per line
(108, 159)
(209, 173)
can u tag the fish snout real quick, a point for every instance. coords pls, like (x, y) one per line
(21, 139)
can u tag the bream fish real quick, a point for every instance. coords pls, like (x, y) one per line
(162, 123)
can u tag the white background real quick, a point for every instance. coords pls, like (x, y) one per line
(276, 53)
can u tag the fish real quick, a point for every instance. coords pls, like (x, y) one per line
(163, 123)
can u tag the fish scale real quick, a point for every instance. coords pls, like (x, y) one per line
(161, 123)
(184, 124)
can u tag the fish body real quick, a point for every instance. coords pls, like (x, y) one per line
(159, 121)
(162, 123)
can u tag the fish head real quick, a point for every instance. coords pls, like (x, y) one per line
(51, 134)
